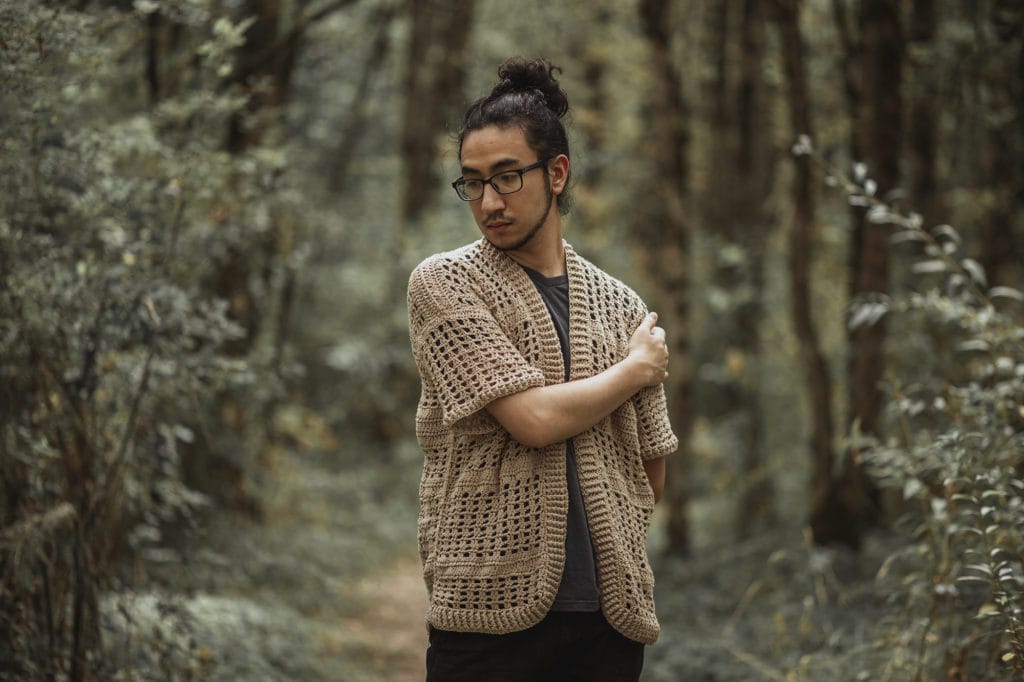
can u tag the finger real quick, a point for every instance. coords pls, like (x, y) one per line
(650, 320)
(659, 332)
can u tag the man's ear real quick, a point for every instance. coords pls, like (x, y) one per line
(558, 171)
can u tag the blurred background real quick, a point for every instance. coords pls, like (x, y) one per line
(210, 209)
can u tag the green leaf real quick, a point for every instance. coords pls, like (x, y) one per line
(867, 314)
(947, 231)
(929, 267)
(904, 236)
(975, 270)
(879, 214)
(1006, 292)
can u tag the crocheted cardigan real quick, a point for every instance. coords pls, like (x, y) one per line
(492, 518)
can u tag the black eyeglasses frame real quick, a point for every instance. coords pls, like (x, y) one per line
(459, 185)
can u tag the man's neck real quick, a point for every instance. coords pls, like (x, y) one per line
(545, 252)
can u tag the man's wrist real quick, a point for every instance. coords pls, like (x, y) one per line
(633, 371)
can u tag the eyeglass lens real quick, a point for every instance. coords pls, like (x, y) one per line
(506, 183)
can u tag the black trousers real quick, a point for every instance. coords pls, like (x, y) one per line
(564, 647)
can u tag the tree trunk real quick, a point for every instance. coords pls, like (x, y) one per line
(435, 74)
(164, 57)
(354, 126)
(593, 122)
(668, 147)
(268, 57)
(854, 500)
(1002, 253)
(924, 113)
(260, 59)
(738, 168)
(819, 383)
(757, 499)
(882, 138)
(255, 276)
(153, 56)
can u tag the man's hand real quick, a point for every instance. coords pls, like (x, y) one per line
(648, 352)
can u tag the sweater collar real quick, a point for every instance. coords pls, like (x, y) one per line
(580, 324)
(504, 261)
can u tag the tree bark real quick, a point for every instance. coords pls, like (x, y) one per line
(1002, 253)
(923, 134)
(819, 383)
(153, 56)
(255, 276)
(845, 506)
(165, 65)
(593, 122)
(253, 65)
(354, 126)
(757, 498)
(733, 210)
(669, 144)
(854, 500)
(435, 73)
(882, 141)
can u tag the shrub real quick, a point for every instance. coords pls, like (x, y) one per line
(955, 457)
(120, 350)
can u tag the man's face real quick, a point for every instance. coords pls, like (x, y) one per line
(508, 221)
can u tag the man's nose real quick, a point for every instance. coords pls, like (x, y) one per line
(491, 200)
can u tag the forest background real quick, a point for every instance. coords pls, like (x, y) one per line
(209, 213)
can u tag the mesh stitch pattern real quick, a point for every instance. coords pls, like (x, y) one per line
(492, 511)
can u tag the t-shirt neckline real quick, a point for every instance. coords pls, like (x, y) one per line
(544, 280)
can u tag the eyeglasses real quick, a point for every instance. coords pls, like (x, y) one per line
(505, 182)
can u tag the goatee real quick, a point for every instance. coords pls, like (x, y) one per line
(533, 230)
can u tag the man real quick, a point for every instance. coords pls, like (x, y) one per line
(542, 419)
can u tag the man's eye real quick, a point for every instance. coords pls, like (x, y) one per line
(507, 180)
(472, 185)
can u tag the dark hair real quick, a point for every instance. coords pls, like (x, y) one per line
(528, 96)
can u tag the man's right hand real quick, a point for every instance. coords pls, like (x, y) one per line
(648, 351)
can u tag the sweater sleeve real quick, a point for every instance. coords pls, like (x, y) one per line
(459, 347)
(653, 428)
(654, 431)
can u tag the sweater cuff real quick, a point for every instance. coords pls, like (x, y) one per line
(466, 417)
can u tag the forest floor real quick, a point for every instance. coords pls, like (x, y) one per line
(327, 586)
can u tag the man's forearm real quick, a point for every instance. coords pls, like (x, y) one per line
(655, 470)
(543, 415)
(540, 416)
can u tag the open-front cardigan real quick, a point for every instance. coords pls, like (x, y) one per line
(492, 510)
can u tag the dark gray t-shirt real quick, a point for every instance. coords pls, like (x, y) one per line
(578, 590)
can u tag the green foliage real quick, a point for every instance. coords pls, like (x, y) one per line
(956, 463)
(130, 336)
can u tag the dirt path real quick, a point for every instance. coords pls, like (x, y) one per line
(357, 524)
(391, 628)
(326, 586)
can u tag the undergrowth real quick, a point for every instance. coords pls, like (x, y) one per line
(954, 458)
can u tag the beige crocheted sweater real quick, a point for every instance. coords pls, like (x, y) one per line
(493, 511)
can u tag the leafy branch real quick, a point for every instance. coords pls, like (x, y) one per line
(966, 475)
(941, 244)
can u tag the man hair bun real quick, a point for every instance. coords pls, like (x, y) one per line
(538, 75)
(527, 95)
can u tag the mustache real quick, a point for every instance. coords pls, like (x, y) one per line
(496, 218)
